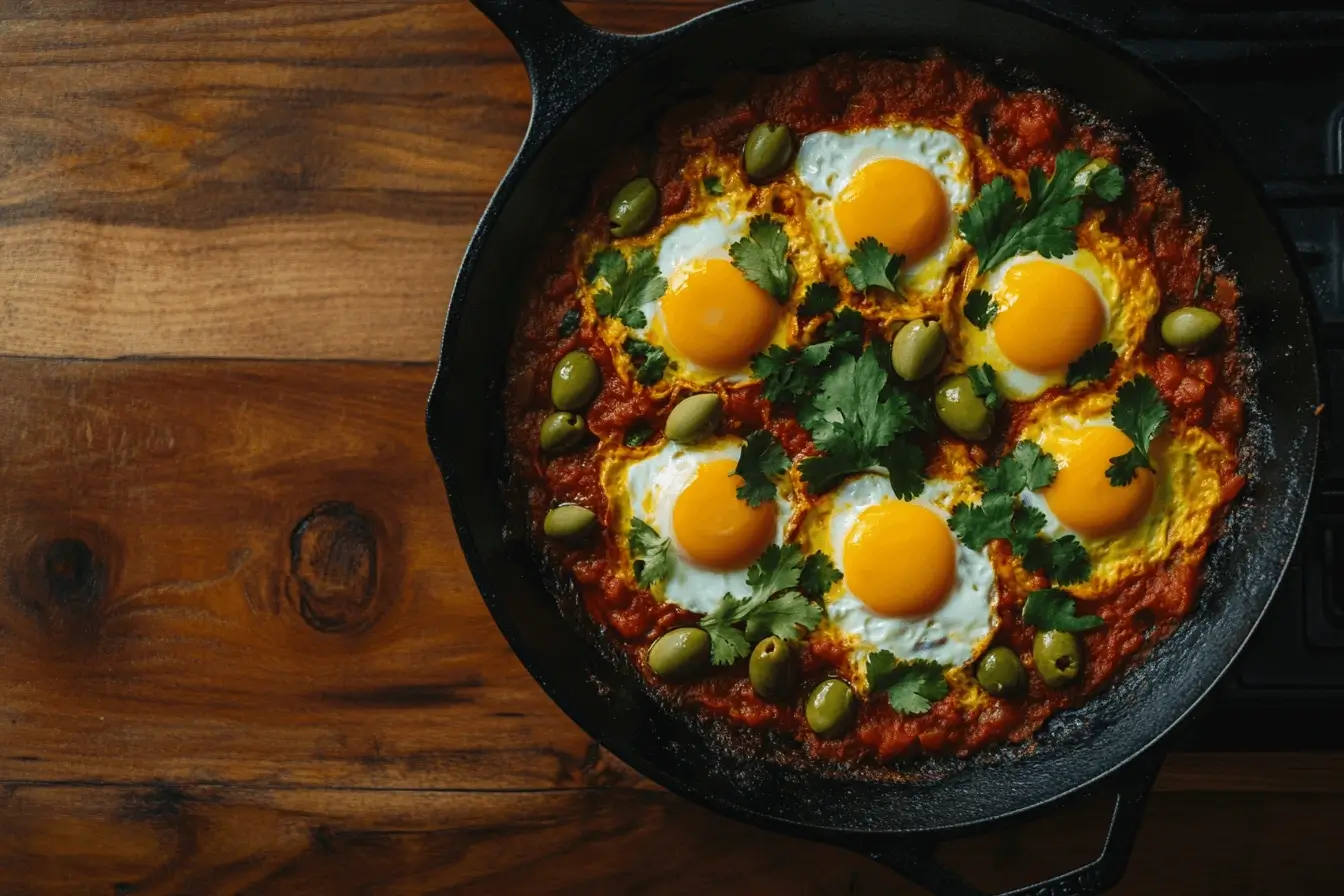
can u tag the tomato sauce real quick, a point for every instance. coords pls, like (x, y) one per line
(1022, 129)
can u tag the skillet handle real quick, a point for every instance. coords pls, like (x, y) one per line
(914, 858)
(566, 58)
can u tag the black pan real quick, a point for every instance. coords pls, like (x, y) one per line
(592, 90)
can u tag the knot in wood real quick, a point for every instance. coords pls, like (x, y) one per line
(334, 564)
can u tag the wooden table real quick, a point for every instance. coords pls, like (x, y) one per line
(239, 648)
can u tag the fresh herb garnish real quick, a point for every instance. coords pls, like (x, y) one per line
(1093, 364)
(569, 324)
(819, 298)
(1065, 561)
(652, 553)
(763, 257)
(1028, 467)
(1050, 609)
(854, 419)
(872, 265)
(761, 458)
(817, 576)
(650, 361)
(773, 608)
(845, 331)
(978, 524)
(985, 385)
(980, 308)
(628, 287)
(713, 185)
(789, 374)
(1139, 413)
(1000, 225)
(638, 433)
(912, 686)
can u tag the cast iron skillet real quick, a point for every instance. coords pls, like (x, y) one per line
(593, 89)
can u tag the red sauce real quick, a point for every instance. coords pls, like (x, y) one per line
(1023, 129)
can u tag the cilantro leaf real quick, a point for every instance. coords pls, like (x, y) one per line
(650, 360)
(628, 287)
(912, 686)
(1028, 467)
(713, 185)
(569, 323)
(819, 298)
(872, 265)
(980, 308)
(845, 331)
(1050, 609)
(1027, 524)
(726, 643)
(999, 225)
(904, 462)
(653, 558)
(761, 458)
(763, 257)
(780, 616)
(1107, 183)
(821, 472)
(638, 433)
(788, 374)
(1093, 364)
(817, 575)
(978, 524)
(1064, 561)
(984, 383)
(1139, 413)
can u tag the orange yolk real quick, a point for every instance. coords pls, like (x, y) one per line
(900, 559)
(716, 317)
(1081, 495)
(715, 527)
(1050, 316)
(900, 203)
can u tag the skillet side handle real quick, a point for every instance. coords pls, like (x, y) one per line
(566, 58)
(914, 858)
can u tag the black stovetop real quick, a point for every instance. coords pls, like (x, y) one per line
(1273, 76)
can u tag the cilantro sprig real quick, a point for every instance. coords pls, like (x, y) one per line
(912, 686)
(999, 224)
(872, 265)
(775, 606)
(845, 331)
(790, 374)
(1139, 413)
(763, 257)
(818, 299)
(650, 360)
(627, 287)
(855, 419)
(713, 185)
(980, 308)
(639, 432)
(652, 553)
(1050, 609)
(985, 384)
(1028, 467)
(761, 458)
(569, 323)
(1093, 364)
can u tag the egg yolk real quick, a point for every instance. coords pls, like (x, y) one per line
(1050, 316)
(716, 528)
(1083, 498)
(716, 317)
(898, 202)
(900, 559)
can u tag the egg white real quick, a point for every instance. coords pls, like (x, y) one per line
(828, 160)
(652, 486)
(982, 347)
(952, 634)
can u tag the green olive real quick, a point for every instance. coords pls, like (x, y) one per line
(771, 669)
(569, 521)
(1058, 656)
(831, 709)
(1188, 329)
(680, 655)
(561, 431)
(633, 207)
(694, 418)
(575, 381)
(917, 349)
(1000, 672)
(768, 150)
(961, 410)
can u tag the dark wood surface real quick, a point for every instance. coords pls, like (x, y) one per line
(239, 648)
